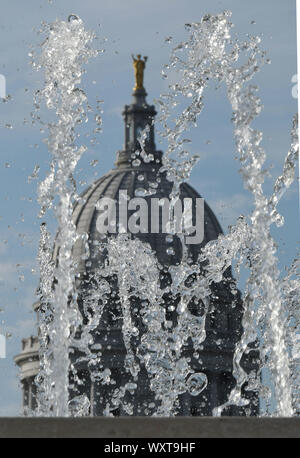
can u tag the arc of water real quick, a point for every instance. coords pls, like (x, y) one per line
(208, 58)
(64, 52)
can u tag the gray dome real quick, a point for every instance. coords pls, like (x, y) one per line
(125, 177)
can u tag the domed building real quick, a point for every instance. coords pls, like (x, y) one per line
(223, 323)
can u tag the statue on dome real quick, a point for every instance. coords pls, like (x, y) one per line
(139, 67)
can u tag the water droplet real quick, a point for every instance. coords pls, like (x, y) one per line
(131, 387)
(197, 383)
(73, 17)
(7, 98)
(34, 174)
(170, 251)
(136, 162)
(140, 192)
(79, 406)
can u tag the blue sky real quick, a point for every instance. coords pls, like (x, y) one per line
(130, 26)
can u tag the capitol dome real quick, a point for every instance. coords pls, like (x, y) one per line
(133, 179)
(133, 175)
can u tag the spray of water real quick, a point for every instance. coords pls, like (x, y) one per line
(210, 54)
(64, 52)
(270, 318)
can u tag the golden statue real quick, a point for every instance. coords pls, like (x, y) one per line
(139, 67)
